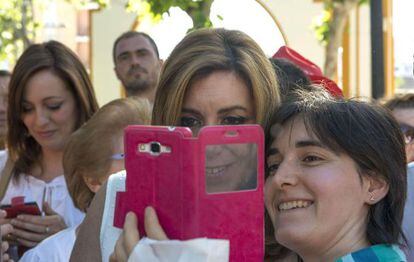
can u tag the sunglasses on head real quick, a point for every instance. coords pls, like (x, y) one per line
(408, 132)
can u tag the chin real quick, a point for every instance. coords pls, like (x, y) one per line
(291, 238)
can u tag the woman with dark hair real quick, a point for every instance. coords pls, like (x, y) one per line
(336, 182)
(50, 96)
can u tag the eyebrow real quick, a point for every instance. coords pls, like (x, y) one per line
(274, 151)
(133, 51)
(232, 108)
(220, 112)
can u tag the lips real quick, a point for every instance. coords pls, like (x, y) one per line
(45, 134)
(216, 171)
(293, 204)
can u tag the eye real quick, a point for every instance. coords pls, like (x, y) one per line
(272, 168)
(312, 159)
(54, 107)
(123, 57)
(26, 108)
(234, 120)
(142, 52)
(191, 122)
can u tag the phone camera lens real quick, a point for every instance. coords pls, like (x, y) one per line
(155, 148)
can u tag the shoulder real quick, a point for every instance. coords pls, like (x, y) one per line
(381, 252)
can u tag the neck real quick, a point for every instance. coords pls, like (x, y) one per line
(50, 165)
(350, 239)
(147, 93)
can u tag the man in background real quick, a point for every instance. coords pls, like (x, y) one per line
(137, 64)
(4, 92)
(402, 107)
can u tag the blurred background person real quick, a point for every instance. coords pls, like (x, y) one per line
(50, 96)
(137, 64)
(402, 107)
(4, 92)
(93, 152)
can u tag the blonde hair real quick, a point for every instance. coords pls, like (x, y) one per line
(89, 149)
(205, 51)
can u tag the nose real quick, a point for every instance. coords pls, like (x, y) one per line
(214, 151)
(287, 174)
(41, 117)
(135, 59)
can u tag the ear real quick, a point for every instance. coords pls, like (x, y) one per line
(93, 184)
(161, 62)
(116, 72)
(376, 188)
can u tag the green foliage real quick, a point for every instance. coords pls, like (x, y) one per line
(18, 24)
(17, 27)
(198, 10)
(322, 24)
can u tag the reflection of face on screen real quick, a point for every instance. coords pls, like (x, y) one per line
(231, 167)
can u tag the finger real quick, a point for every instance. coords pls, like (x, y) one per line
(39, 220)
(6, 257)
(48, 210)
(120, 252)
(48, 220)
(28, 226)
(152, 225)
(6, 229)
(112, 258)
(3, 213)
(4, 246)
(27, 235)
(131, 233)
(27, 243)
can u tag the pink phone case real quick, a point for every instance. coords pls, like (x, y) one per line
(175, 184)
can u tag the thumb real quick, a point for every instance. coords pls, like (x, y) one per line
(131, 233)
(48, 210)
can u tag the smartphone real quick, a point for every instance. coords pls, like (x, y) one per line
(19, 206)
(205, 186)
(30, 208)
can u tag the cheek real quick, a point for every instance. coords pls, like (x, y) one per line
(68, 117)
(333, 186)
(269, 194)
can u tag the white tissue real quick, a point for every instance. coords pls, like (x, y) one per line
(200, 249)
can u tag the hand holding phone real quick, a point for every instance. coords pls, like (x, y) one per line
(200, 186)
(18, 206)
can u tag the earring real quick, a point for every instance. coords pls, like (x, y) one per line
(372, 198)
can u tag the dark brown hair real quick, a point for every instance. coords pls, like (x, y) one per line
(130, 34)
(62, 62)
(405, 101)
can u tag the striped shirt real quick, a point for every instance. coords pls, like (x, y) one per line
(376, 253)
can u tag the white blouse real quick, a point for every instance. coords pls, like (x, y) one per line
(57, 247)
(33, 190)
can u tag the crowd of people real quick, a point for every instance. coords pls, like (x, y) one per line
(336, 188)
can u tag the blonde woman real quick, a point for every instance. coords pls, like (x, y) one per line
(212, 77)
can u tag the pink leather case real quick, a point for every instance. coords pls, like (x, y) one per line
(175, 184)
